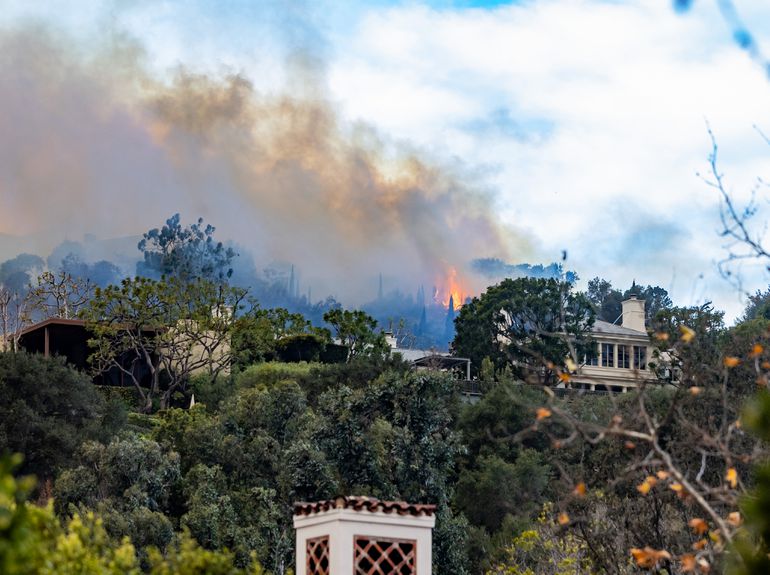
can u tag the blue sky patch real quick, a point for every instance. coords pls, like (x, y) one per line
(503, 123)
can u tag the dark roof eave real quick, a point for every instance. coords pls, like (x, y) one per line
(52, 321)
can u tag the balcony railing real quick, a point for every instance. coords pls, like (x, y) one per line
(470, 387)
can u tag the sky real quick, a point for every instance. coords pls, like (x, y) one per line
(559, 125)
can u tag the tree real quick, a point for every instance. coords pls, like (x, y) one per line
(145, 329)
(33, 541)
(529, 324)
(499, 488)
(186, 557)
(17, 273)
(245, 466)
(545, 550)
(355, 329)
(656, 299)
(184, 252)
(59, 295)
(489, 426)
(101, 273)
(46, 410)
(393, 439)
(129, 482)
(679, 480)
(758, 306)
(449, 321)
(259, 333)
(607, 301)
(753, 543)
(300, 347)
(676, 458)
(198, 341)
(697, 362)
(14, 316)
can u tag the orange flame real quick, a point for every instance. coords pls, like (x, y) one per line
(451, 286)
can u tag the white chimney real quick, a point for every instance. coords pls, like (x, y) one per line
(363, 536)
(633, 314)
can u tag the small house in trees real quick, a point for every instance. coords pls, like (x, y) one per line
(68, 338)
(621, 356)
(435, 360)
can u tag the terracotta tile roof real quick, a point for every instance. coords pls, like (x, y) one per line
(361, 503)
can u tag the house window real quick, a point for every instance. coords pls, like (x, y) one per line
(608, 355)
(317, 554)
(592, 357)
(380, 556)
(624, 357)
(640, 357)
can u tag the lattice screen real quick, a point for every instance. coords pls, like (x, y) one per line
(384, 556)
(317, 553)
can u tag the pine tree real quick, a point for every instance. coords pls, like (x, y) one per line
(449, 325)
(421, 296)
(423, 325)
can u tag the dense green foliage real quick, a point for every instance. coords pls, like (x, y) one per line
(525, 324)
(228, 474)
(157, 334)
(276, 334)
(210, 488)
(607, 300)
(355, 329)
(47, 410)
(184, 252)
(33, 541)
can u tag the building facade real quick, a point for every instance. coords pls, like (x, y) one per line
(621, 356)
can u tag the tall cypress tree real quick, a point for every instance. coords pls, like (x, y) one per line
(423, 325)
(449, 324)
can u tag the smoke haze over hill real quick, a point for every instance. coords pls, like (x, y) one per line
(93, 142)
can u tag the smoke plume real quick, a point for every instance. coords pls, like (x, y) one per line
(93, 142)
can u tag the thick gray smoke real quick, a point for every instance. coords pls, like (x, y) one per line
(92, 142)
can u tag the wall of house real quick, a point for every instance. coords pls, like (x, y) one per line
(617, 377)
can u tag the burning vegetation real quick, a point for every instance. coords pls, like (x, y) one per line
(292, 180)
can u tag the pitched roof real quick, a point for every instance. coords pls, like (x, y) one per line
(601, 326)
(361, 503)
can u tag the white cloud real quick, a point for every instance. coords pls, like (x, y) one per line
(588, 116)
(624, 89)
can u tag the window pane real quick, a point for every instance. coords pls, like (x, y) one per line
(640, 357)
(624, 357)
(608, 359)
(593, 356)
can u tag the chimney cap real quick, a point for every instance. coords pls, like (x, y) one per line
(632, 297)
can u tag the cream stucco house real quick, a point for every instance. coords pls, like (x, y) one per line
(622, 353)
